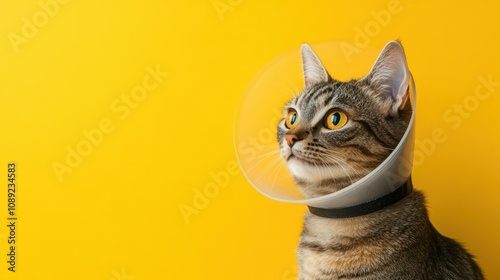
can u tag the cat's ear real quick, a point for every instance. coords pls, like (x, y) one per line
(390, 76)
(314, 71)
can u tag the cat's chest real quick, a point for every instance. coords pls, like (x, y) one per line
(335, 250)
(341, 260)
(342, 255)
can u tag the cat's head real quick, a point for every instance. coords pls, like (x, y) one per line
(334, 133)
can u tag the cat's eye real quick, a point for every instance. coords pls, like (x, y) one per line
(336, 119)
(291, 119)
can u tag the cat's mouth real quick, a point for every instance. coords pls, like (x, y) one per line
(291, 157)
(309, 169)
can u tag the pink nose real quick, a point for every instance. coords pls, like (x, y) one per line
(291, 139)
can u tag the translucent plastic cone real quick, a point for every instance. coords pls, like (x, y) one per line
(260, 110)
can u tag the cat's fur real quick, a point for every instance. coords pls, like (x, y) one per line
(397, 242)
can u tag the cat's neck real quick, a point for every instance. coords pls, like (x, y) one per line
(316, 188)
(409, 211)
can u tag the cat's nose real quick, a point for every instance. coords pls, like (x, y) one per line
(291, 139)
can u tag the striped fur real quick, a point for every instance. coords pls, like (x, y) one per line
(397, 242)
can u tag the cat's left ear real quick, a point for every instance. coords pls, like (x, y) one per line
(390, 77)
(314, 71)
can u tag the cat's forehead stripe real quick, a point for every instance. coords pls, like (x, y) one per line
(314, 94)
(321, 93)
(317, 98)
(319, 115)
(301, 97)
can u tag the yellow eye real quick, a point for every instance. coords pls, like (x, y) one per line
(291, 119)
(336, 120)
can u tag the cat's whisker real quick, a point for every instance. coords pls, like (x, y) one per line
(291, 90)
(338, 161)
(265, 151)
(275, 177)
(339, 158)
(331, 171)
(264, 158)
(333, 162)
(267, 169)
(345, 170)
(263, 147)
(294, 91)
(316, 167)
(295, 88)
(274, 151)
(335, 158)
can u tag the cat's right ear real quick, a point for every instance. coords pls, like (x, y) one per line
(390, 77)
(314, 71)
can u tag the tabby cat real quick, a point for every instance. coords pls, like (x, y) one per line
(335, 133)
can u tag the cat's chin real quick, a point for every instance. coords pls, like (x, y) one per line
(310, 172)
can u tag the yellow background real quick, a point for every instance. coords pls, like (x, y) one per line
(117, 214)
